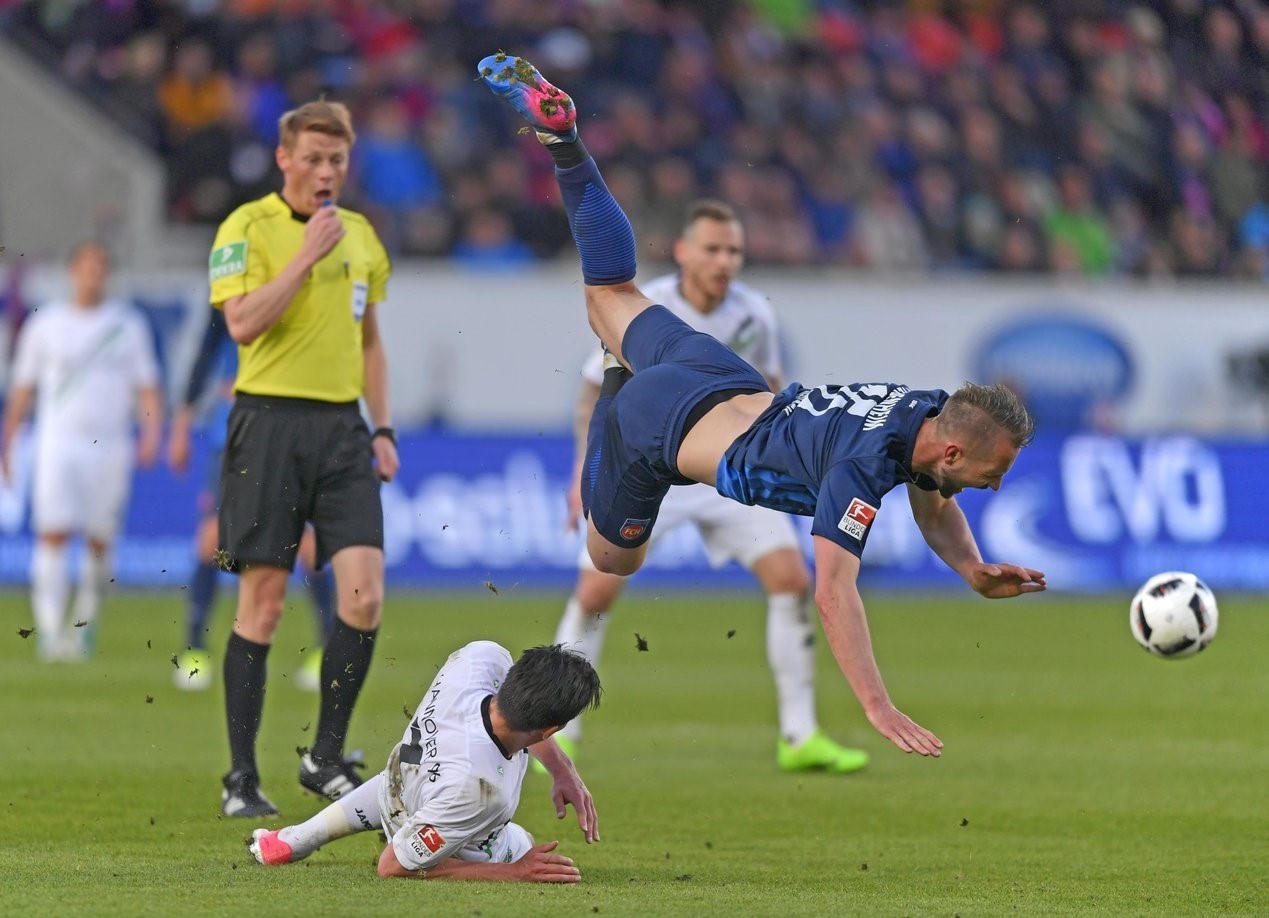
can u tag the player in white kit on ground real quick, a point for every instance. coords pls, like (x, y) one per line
(705, 294)
(452, 785)
(89, 364)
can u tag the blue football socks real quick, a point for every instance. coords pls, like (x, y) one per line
(600, 227)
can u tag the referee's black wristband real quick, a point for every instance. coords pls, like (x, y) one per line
(389, 432)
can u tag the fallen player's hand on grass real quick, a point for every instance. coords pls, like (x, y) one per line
(1001, 581)
(904, 732)
(570, 789)
(541, 865)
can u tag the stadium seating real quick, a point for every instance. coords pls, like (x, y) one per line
(1086, 138)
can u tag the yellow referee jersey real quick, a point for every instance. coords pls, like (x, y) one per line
(314, 350)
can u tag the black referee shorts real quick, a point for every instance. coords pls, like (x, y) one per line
(289, 461)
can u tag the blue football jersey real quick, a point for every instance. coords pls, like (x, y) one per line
(832, 453)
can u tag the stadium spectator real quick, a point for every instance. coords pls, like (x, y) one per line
(705, 293)
(197, 100)
(397, 181)
(89, 364)
(887, 234)
(1197, 245)
(1076, 228)
(195, 95)
(143, 61)
(486, 243)
(260, 97)
(300, 280)
(452, 785)
(1254, 235)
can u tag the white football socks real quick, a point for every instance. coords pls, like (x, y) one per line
(50, 589)
(791, 654)
(94, 575)
(584, 634)
(354, 812)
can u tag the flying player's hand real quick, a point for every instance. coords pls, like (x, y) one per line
(904, 732)
(387, 462)
(541, 865)
(322, 233)
(1001, 581)
(570, 789)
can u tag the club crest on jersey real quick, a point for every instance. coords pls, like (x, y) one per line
(632, 529)
(431, 839)
(857, 518)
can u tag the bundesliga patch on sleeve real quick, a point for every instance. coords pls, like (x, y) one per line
(227, 260)
(431, 839)
(857, 518)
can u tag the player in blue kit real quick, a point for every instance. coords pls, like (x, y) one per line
(677, 406)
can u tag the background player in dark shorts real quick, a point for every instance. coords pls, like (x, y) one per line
(214, 368)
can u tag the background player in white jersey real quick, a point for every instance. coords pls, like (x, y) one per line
(710, 252)
(89, 363)
(452, 785)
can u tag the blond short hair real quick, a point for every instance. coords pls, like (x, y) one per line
(978, 411)
(322, 116)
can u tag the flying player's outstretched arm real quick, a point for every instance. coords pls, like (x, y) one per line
(846, 628)
(945, 530)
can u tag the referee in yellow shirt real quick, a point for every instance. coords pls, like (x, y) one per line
(299, 279)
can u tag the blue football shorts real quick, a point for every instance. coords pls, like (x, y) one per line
(632, 450)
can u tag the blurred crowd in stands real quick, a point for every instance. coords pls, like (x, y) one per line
(1102, 138)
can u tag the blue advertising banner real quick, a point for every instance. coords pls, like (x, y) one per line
(1094, 512)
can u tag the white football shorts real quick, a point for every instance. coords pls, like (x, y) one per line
(81, 486)
(731, 531)
(513, 842)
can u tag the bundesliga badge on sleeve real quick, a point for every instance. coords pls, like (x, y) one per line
(857, 518)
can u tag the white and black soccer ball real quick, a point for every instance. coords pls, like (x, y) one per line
(1173, 615)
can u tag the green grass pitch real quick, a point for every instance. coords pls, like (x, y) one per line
(1080, 776)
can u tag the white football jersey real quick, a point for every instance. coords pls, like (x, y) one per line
(743, 321)
(86, 366)
(449, 789)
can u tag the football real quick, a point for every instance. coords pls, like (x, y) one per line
(1173, 615)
